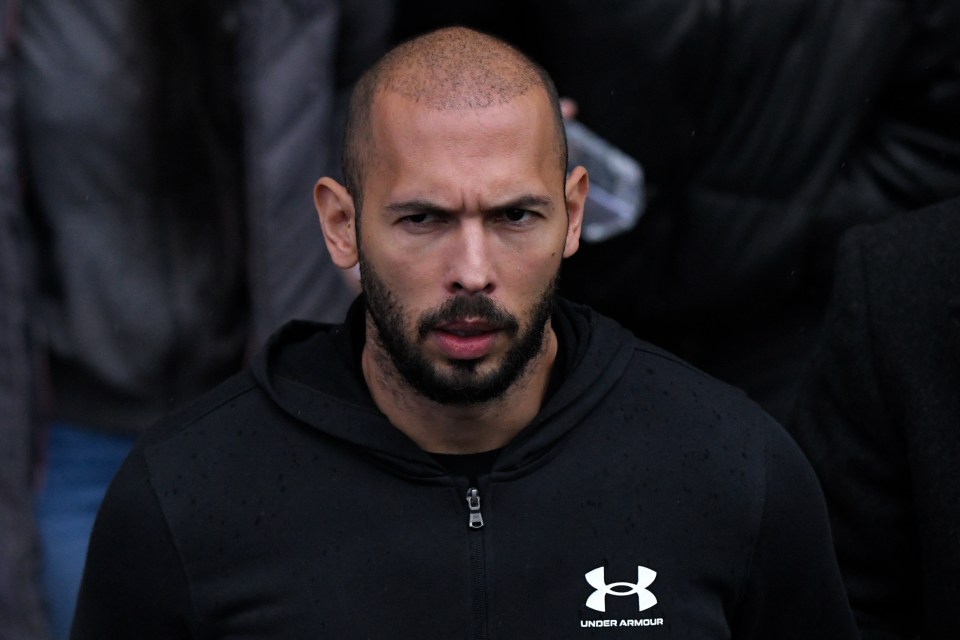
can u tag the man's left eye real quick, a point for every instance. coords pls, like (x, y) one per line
(516, 215)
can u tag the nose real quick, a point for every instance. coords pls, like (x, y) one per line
(471, 260)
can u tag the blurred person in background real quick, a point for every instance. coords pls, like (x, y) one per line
(879, 419)
(21, 616)
(167, 151)
(764, 130)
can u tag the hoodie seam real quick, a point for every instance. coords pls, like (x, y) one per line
(751, 560)
(198, 623)
(248, 387)
(373, 411)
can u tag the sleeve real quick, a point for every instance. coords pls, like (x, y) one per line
(793, 590)
(134, 584)
(844, 423)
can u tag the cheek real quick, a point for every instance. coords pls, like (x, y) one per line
(409, 280)
(531, 273)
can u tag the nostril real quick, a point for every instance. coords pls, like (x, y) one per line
(459, 287)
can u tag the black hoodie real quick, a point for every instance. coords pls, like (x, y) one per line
(644, 500)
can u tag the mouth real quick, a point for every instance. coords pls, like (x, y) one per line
(468, 328)
(466, 339)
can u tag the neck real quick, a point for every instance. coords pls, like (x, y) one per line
(459, 429)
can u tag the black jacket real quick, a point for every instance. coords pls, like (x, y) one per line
(284, 505)
(880, 420)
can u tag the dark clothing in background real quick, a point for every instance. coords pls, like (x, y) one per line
(285, 505)
(140, 241)
(764, 131)
(20, 609)
(167, 152)
(170, 151)
(879, 418)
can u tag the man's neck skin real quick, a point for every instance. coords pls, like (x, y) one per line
(458, 429)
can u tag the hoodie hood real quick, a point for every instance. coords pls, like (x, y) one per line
(310, 372)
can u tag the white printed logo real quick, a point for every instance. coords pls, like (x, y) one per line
(598, 599)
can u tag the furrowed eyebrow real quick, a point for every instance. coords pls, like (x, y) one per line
(412, 207)
(524, 202)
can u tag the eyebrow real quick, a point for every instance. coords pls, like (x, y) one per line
(416, 206)
(408, 207)
(523, 202)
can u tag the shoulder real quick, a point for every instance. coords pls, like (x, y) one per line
(717, 460)
(681, 386)
(637, 376)
(921, 242)
(690, 412)
(160, 445)
(900, 278)
(235, 394)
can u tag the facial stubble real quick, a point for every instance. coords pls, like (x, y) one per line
(463, 383)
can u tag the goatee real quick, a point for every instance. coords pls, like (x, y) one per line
(463, 384)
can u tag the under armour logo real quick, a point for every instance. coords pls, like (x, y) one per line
(598, 599)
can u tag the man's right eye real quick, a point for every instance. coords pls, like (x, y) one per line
(421, 222)
(424, 217)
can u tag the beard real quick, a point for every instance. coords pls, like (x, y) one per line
(463, 383)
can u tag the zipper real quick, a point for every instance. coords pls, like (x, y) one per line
(477, 564)
(473, 504)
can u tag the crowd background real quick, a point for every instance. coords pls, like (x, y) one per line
(159, 161)
(163, 156)
(764, 132)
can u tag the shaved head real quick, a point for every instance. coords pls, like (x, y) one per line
(449, 69)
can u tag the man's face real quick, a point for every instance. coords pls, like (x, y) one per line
(463, 229)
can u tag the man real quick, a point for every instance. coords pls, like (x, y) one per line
(466, 456)
(880, 420)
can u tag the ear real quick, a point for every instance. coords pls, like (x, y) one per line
(575, 192)
(338, 221)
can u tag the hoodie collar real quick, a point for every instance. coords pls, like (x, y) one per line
(312, 373)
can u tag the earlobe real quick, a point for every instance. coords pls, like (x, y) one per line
(575, 192)
(338, 221)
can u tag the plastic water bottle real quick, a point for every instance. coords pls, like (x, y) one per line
(616, 199)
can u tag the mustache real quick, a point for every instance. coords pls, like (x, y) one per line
(463, 307)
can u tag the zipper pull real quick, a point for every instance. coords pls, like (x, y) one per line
(473, 503)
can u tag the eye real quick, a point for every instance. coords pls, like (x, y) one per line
(517, 215)
(422, 222)
(422, 218)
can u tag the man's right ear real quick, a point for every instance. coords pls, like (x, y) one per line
(338, 220)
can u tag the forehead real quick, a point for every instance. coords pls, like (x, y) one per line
(516, 136)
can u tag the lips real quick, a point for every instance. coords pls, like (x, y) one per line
(465, 339)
